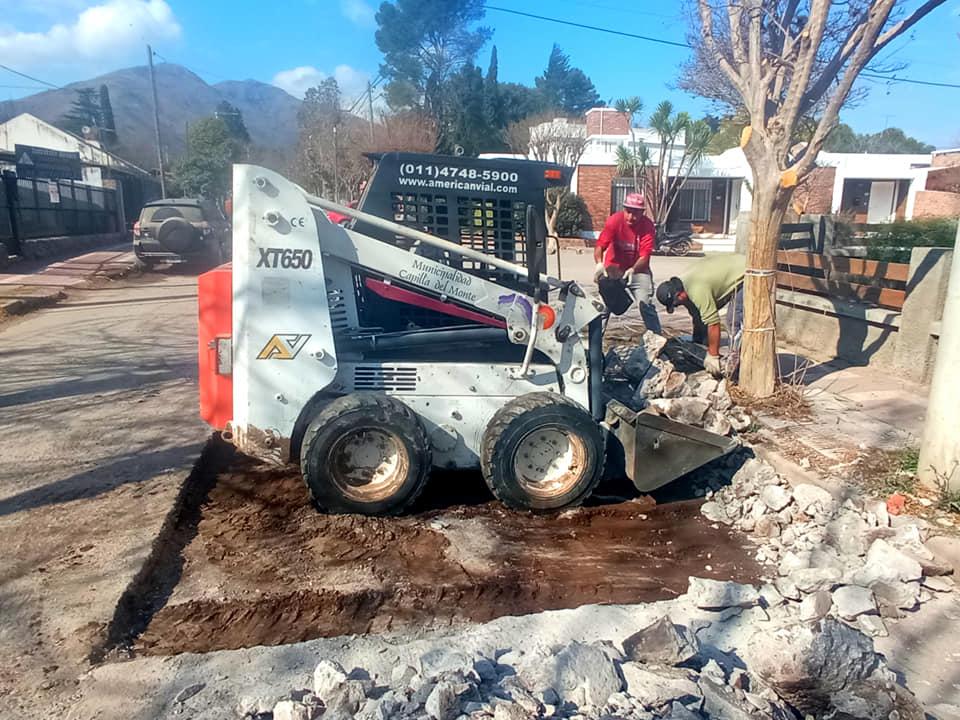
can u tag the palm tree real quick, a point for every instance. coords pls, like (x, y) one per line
(632, 106)
(669, 127)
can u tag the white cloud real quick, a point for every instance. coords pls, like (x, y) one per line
(298, 80)
(358, 12)
(100, 34)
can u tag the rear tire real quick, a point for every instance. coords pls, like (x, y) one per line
(365, 453)
(541, 452)
(682, 248)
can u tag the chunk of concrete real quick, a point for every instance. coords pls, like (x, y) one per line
(327, 676)
(661, 643)
(720, 594)
(852, 601)
(812, 580)
(655, 688)
(895, 596)
(715, 512)
(848, 533)
(687, 410)
(872, 625)
(578, 673)
(886, 563)
(443, 702)
(820, 667)
(810, 499)
(945, 549)
(776, 497)
(815, 606)
(292, 710)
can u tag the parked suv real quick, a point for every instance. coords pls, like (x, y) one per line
(178, 230)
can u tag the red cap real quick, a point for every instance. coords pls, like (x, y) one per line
(633, 200)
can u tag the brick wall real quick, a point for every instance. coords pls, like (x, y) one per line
(814, 196)
(946, 159)
(607, 121)
(944, 179)
(932, 203)
(594, 184)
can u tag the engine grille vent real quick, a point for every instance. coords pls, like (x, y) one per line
(336, 301)
(376, 377)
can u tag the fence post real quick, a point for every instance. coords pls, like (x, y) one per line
(916, 348)
(940, 448)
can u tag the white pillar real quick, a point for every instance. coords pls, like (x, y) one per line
(940, 448)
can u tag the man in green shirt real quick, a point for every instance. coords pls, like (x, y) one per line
(711, 284)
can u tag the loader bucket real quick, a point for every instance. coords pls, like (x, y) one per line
(653, 450)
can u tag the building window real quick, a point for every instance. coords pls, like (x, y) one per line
(693, 203)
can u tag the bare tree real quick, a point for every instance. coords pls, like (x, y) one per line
(781, 61)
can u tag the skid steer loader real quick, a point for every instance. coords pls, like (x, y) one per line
(372, 353)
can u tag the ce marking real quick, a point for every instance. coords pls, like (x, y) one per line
(298, 222)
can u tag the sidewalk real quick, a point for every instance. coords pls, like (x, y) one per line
(29, 285)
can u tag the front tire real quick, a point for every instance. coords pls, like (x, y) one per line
(365, 453)
(541, 452)
(681, 248)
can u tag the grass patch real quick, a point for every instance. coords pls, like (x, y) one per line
(886, 473)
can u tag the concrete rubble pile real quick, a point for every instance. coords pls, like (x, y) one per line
(660, 671)
(642, 378)
(845, 558)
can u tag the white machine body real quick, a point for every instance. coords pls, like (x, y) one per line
(295, 279)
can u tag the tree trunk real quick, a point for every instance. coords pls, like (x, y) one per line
(758, 354)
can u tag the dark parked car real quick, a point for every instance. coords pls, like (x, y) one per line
(178, 230)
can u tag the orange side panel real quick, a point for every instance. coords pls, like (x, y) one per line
(215, 301)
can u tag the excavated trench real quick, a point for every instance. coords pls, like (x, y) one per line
(250, 562)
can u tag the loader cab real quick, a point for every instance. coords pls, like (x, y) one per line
(480, 204)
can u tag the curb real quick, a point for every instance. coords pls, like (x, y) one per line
(21, 306)
(795, 474)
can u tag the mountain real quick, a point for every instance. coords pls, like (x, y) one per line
(269, 113)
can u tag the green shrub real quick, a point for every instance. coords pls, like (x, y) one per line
(893, 241)
(573, 216)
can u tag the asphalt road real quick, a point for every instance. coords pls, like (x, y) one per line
(98, 429)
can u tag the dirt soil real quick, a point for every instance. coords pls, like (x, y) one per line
(264, 567)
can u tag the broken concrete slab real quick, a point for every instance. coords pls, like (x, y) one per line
(578, 673)
(718, 595)
(815, 606)
(656, 688)
(886, 563)
(811, 499)
(661, 643)
(776, 497)
(852, 601)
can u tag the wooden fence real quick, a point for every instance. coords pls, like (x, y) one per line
(878, 283)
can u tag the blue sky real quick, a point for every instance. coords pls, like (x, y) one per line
(295, 43)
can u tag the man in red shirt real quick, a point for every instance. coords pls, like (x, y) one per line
(623, 251)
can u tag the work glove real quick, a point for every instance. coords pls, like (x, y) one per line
(713, 365)
(599, 271)
(627, 274)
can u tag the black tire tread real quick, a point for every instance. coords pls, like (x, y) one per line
(384, 405)
(499, 423)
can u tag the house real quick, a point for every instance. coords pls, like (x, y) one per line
(99, 168)
(867, 188)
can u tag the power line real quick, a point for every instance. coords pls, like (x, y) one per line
(671, 43)
(29, 77)
(674, 43)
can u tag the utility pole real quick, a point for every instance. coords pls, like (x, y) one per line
(370, 108)
(156, 123)
(336, 167)
(939, 464)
